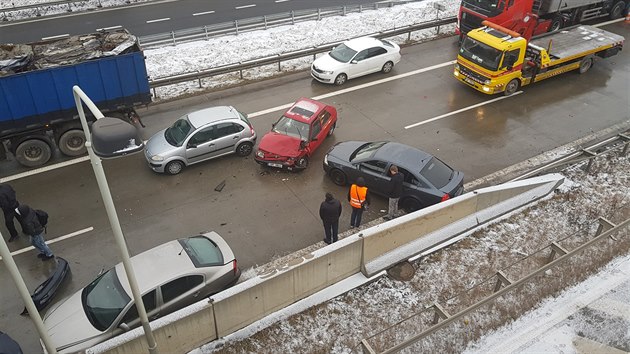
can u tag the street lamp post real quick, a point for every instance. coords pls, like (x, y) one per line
(109, 138)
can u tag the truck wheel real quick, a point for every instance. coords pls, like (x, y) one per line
(556, 23)
(72, 142)
(617, 10)
(33, 152)
(585, 64)
(511, 87)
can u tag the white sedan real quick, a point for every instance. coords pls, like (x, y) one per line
(354, 58)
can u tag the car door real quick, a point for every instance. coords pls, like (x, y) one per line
(131, 317)
(375, 60)
(375, 174)
(418, 186)
(316, 135)
(182, 292)
(226, 136)
(201, 145)
(358, 65)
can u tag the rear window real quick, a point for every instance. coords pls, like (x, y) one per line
(202, 251)
(243, 117)
(437, 173)
(386, 43)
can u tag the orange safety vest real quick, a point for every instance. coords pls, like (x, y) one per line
(357, 196)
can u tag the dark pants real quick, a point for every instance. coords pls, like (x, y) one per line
(355, 218)
(331, 228)
(8, 221)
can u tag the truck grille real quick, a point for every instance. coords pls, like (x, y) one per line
(472, 75)
(469, 22)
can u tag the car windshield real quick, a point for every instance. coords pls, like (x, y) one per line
(202, 251)
(366, 150)
(342, 53)
(437, 172)
(291, 127)
(487, 7)
(104, 299)
(481, 54)
(177, 133)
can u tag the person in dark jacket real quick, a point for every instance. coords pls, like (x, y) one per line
(329, 212)
(395, 191)
(8, 203)
(359, 200)
(32, 227)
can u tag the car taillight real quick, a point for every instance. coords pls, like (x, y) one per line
(234, 267)
(251, 130)
(446, 197)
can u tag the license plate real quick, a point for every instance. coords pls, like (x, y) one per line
(271, 164)
(469, 81)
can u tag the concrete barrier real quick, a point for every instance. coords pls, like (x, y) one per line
(371, 251)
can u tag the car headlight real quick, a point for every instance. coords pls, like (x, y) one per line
(456, 66)
(260, 154)
(157, 158)
(327, 72)
(487, 82)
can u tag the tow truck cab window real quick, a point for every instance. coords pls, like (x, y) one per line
(510, 58)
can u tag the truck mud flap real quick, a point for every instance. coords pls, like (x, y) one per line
(44, 293)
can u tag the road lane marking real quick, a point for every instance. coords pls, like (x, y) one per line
(355, 88)
(245, 6)
(203, 13)
(285, 0)
(56, 37)
(159, 20)
(462, 110)
(54, 240)
(44, 169)
(108, 28)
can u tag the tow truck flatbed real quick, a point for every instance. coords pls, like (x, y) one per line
(575, 41)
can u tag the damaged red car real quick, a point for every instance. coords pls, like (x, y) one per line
(296, 135)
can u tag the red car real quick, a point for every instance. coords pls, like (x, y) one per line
(296, 135)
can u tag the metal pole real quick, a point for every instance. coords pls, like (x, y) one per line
(79, 96)
(25, 295)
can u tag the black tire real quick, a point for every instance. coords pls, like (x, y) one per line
(338, 177)
(332, 129)
(341, 79)
(617, 11)
(410, 204)
(301, 163)
(585, 64)
(556, 23)
(174, 167)
(244, 149)
(387, 67)
(511, 87)
(72, 143)
(33, 152)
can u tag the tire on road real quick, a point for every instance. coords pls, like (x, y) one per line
(33, 152)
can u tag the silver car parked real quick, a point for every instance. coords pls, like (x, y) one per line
(199, 136)
(170, 276)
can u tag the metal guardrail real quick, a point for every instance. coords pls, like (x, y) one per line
(260, 22)
(278, 59)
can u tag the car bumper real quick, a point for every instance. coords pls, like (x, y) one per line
(284, 165)
(157, 167)
(324, 78)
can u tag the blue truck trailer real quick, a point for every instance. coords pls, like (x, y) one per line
(37, 109)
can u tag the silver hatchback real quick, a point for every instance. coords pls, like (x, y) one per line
(199, 136)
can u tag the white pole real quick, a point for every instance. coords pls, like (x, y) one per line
(26, 296)
(79, 96)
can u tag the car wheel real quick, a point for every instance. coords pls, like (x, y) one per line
(332, 129)
(244, 149)
(585, 64)
(174, 167)
(338, 177)
(410, 204)
(387, 67)
(341, 79)
(511, 87)
(301, 163)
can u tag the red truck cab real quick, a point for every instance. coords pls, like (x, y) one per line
(296, 135)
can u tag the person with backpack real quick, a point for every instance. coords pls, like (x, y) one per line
(34, 224)
(8, 203)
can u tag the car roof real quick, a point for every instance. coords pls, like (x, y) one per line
(208, 115)
(164, 262)
(305, 110)
(402, 155)
(361, 43)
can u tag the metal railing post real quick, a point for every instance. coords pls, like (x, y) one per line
(343, 11)
(205, 29)
(319, 14)
(292, 17)
(502, 279)
(265, 20)
(591, 156)
(604, 225)
(556, 249)
(69, 8)
(236, 26)
(625, 138)
(173, 37)
(440, 313)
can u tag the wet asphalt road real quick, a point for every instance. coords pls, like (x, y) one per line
(265, 213)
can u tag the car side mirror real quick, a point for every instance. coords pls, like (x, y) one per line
(314, 139)
(353, 62)
(124, 327)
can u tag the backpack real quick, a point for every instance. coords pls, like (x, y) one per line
(42, 217)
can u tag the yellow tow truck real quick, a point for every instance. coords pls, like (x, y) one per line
(494, 59)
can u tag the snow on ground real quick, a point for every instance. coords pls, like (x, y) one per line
(461, 275)
(219, 51)
(47, 10)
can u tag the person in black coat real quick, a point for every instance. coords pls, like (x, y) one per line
(395, 191)
(329, 212)
(32, 227)
(8, 203)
